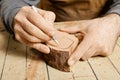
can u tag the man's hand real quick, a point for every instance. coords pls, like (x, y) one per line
(100, 36)
(33, 29)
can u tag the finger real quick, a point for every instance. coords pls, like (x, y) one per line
(89, 53)
(48, 15)
(72, 29)
(34, 31)
(79, 36)
(27, 36)
(38, 46)
(76, 26)
(78, 53)
(41, 23)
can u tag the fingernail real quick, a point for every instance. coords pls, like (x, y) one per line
(71, 62)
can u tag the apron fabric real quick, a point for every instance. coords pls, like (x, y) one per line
(70, 10)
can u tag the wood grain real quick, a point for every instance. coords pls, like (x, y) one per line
(15, 65)
(55, 74)
(103, 69)
(20, 63)
(115, 58)
(4, 37)
(83, 71)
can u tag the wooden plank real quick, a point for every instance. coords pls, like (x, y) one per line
(4, 37)
(115, 58)
(82, 71)
(36, 67)
(1, 24)
(103, 69)
(15, 66)
(55, 74)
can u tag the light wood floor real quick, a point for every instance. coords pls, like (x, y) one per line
(17, 62)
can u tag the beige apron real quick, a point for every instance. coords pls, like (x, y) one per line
(67, 10)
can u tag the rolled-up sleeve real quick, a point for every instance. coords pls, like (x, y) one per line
(9, 8)
(115, 7)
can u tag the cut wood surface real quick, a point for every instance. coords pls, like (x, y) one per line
(60, 53)
(21, 63)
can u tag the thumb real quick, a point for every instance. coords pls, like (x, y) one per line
(73, 29)
(82, 48)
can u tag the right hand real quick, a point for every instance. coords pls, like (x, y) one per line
(33, 29)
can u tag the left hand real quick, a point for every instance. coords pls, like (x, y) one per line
(100, 36)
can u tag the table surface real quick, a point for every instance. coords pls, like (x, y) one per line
(18, 62)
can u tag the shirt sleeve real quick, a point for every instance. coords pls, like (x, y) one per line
(115, 7)
(9, 8)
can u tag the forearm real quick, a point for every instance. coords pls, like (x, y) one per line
(115, 20)
(9, 8)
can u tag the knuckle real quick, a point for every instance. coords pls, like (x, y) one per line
(99, 46)
(17, 29)
(33, 29)
(46, 38)
(25, 8)
(106, 52)
(17, 37)
(23, 22)
(83, 59)
(31, 40)
(17, 19)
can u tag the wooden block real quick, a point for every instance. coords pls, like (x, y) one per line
(59, 54)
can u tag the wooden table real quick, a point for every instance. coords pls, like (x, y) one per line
(18, 62)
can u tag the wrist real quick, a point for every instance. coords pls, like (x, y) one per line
(115, 20)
